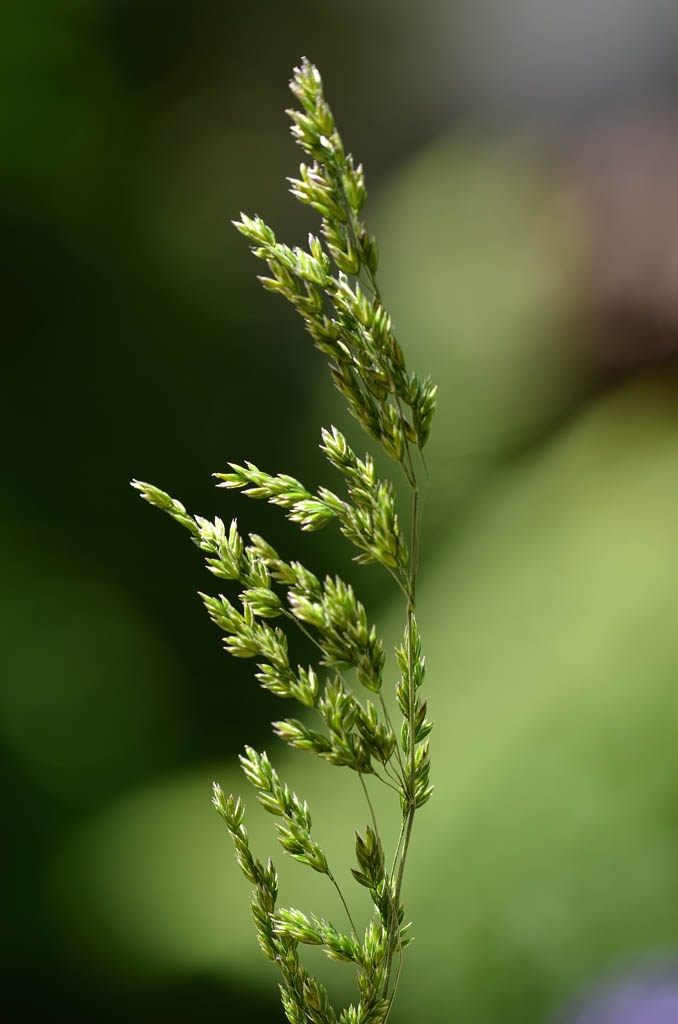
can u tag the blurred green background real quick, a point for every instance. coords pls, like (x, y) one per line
(528, 232)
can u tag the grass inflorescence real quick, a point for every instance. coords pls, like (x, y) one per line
(332, 285)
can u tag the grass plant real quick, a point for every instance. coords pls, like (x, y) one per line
(332, 284)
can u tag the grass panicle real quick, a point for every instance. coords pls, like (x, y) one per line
(333, 287)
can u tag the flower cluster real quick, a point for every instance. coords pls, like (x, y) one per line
(332, 285)
(335, 291)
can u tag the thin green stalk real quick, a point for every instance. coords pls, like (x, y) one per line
(341, 897)
(410, 792)
(387, 719)
(302, 628)
(369, 804)
(395, 787)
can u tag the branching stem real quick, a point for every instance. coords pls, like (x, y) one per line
(410, 789)
(395, 408)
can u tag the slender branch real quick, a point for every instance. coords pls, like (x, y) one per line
(396, 788)
(397, 850)
(307, 633)
(341, 897)
(402, 585)
(369, 804)
(410, 793)
(387, 719)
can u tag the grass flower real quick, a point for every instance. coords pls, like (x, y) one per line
(333, 287)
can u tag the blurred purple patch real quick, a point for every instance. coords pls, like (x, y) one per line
(647, 996)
